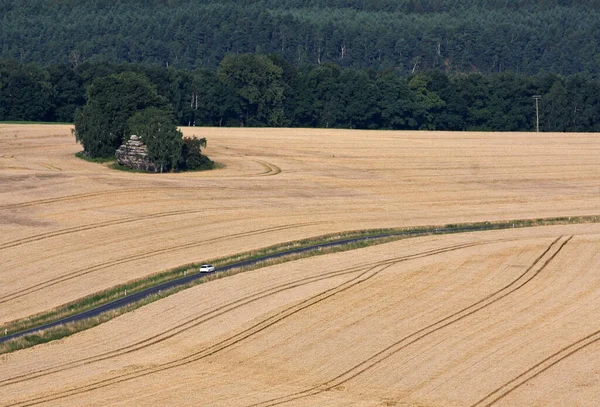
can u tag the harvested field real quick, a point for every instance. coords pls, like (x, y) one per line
(473, 319)
(436, 321)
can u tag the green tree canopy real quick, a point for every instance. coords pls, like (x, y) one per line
(111, 101)
(191, 155)
(158, 131)
(325, 95)
(25, 92)
(488, 36)
(259, 85)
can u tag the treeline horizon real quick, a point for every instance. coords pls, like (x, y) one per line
(267, 91)
(523, 36)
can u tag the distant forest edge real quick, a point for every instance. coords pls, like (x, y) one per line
(490, 36)
(261, 90)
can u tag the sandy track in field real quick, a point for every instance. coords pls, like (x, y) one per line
(456, 320)
(70, 227)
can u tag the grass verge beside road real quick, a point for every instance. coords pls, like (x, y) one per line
(247, 261)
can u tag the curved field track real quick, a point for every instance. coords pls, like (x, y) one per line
(477, 319)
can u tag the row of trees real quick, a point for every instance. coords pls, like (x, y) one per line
(523, 36)
(259, 90)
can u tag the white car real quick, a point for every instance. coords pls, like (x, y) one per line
(206, 268)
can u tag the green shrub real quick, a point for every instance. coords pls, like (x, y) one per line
(191, 158)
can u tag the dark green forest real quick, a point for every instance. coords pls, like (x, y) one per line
(489, 36)
(369, 64)
(259, 90)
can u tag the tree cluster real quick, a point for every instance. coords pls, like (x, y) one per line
(489, 36)
(120, 105)
(259, 90)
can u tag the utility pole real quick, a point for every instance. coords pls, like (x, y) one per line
(537, 113)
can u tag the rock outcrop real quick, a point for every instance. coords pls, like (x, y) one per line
(134, 154)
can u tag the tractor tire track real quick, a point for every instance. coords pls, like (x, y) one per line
(408, 340)
(270, 169)
(372, 270)
(78, 197)
(91, 226)
(87, 270)
(536, 370)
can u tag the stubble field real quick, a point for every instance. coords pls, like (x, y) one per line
(505, 317)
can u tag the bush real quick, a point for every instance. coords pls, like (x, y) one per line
(191, 157)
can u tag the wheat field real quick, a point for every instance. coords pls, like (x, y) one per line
(503, 318)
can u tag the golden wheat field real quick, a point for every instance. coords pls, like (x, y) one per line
(505, 318)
